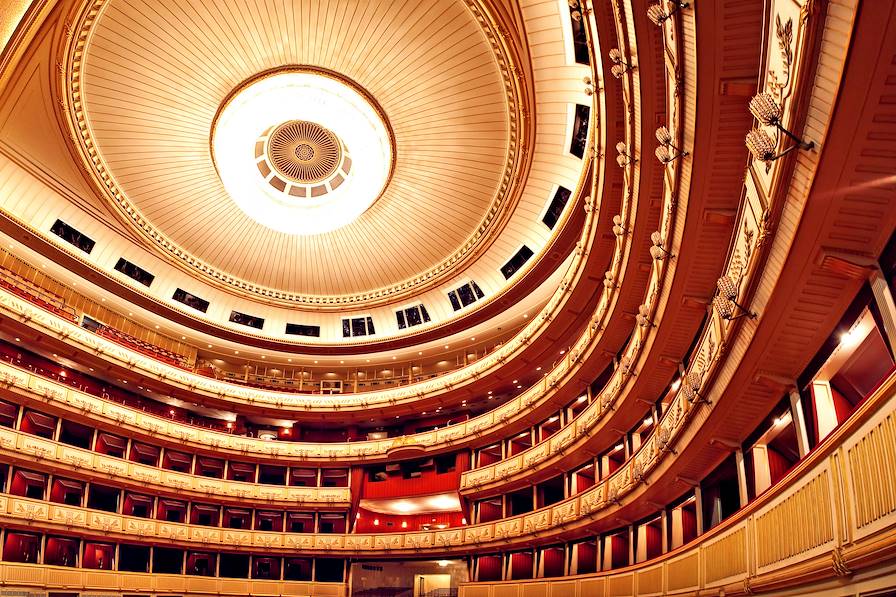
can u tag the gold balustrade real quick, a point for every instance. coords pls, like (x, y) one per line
(36, 452)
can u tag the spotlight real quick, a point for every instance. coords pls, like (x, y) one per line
(767, 111)
(658, 14)
(620, 65)
(667, 152)
(658, 251)
(725, 302)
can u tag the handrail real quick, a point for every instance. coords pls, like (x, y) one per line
(25, 449)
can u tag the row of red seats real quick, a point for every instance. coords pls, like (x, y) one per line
(147, 348)
(36, 299)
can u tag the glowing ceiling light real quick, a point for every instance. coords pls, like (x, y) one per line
(404, 506)
(443, 502)
(310, 97)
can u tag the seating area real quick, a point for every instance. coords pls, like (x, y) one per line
(36, 295)
(147, 348)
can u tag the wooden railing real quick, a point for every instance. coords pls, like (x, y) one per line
(831, 516)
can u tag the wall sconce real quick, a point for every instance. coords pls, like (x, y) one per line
(609, 282)
(618, 228)
(691, 387)
(658, 14)
(620, 64)
(658, 251)
(625, 363)
(589, 85)
(663, 438)
(667, 152)
(725, 303)
(624, 158)
(643, 317)
(764, 108)
(577, 10)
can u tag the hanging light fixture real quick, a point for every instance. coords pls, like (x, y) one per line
(667, 152)
(767, 111)
(659, 15)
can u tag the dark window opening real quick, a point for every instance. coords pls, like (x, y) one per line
(555, 209)
(234, 565)
(579, 35)
(297, 329)
(247, 320)
(329, 570)
(465, 295)
(103, 498)
(133, 558)
(72, 236)
(516, 262)
(411, 316)
(135, 272)
(167, 561)
(580, 131)
(190, 300)
(357, 326)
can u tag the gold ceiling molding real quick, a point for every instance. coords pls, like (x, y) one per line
(513, 68)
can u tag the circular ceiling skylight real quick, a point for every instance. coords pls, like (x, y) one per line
(302, 151)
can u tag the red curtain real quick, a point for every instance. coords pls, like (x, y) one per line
(654, 537)
(586, 558)
(489, 568)
(521, 565)
(554, 560)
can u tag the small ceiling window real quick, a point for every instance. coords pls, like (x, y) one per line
(73, 236)
(516, 262)
(411, 316)
(465, 295)
(135, 272)
(580, 131)
(298, 329)
(190, 300)
(555, 209)
(248, 320)
(579, 35)
(357, 326)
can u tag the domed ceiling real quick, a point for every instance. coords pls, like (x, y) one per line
(409, 115)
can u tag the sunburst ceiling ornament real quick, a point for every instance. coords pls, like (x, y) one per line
(300, 178)
(302, 159)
